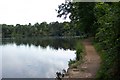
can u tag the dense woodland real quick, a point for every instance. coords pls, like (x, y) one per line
(101, 21)
(40, 30)
(98, 20)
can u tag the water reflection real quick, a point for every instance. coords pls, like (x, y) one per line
(35, 59)
(56, 43)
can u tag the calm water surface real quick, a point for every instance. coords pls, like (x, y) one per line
(35, 59)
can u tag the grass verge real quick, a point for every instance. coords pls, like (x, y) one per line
(79, 55)
(106, 64)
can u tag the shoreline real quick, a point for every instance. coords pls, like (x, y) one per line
(90, 65)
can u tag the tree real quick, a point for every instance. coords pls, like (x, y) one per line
(81, 14)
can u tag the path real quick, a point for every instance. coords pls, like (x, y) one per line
(90, 65)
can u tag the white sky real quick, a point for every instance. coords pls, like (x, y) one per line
(29, 11)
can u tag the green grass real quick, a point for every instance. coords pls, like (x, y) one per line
(79, 55)
(106, 63)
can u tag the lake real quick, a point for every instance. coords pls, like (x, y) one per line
(36, 58)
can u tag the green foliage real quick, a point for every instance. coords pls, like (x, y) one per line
(71, 62)
(101, 20)
(105, 72)
(108, 37)
(81, 15)
(39, 30)
(79, 55)
(79, 51)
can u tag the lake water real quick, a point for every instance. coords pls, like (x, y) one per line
(36, 58)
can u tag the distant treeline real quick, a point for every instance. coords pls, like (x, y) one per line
(40, 29)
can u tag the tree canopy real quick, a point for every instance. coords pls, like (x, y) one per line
(39, 30)
(102, 21)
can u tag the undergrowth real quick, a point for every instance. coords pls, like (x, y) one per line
(79, 55)
(107, 64)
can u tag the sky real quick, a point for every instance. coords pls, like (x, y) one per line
(29, 11)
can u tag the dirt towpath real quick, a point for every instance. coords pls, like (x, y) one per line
(91, 63)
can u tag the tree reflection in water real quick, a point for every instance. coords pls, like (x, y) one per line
(55, 43)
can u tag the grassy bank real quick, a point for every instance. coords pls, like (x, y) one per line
(107, 67)
(79, 55)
